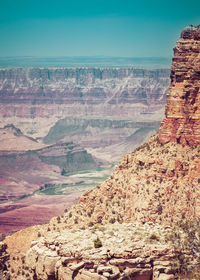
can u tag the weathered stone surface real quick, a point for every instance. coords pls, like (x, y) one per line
(182, 122)
(84, 261)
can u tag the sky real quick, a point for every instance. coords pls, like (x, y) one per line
(118, 28)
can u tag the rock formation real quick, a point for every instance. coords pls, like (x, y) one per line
(182, 122)
(118, 251)
(143, 222)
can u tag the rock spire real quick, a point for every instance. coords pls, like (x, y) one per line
(182, 122)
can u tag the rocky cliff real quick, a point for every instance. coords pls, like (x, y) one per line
(141, 223)
(182, 122)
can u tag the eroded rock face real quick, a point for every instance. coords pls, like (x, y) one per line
(127, 251)
(182, 122)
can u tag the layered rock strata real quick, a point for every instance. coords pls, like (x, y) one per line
(182, 122)
(104, 92)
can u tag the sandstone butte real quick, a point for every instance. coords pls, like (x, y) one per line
(143, 222)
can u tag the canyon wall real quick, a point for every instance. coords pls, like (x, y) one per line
(182, 122)
(104, 92)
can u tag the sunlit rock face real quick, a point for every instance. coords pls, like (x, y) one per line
(182, 122)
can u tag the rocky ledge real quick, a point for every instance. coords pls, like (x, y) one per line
(114, 251)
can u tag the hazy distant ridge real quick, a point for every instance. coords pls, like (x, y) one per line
(83, 61)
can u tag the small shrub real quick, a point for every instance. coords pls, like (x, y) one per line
(63, 172)
(99, 220)
(90, 224)
(160, 209)
(23, 259)
(70, 214)
(121, 268)
(154, 236)
(97, 243)
(112, 221)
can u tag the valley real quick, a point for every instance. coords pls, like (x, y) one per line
(64, 129)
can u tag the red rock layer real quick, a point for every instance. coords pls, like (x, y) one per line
(182, 122)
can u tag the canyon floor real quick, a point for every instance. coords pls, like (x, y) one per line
(42, 204)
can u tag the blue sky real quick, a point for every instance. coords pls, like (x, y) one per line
(125, 28)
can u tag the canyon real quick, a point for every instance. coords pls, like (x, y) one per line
(32, 178)
(63, 130)
(142, 222)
